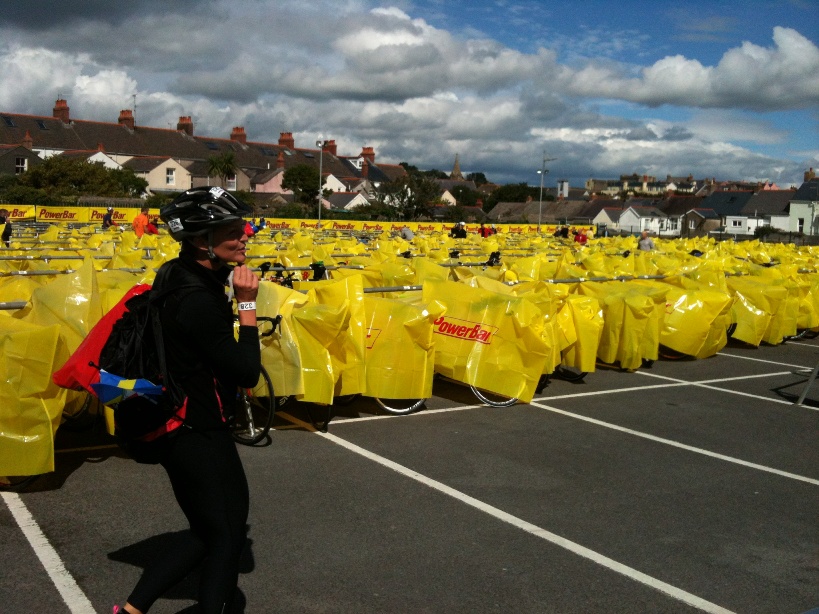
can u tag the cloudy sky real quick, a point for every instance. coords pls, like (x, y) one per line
(722, 88)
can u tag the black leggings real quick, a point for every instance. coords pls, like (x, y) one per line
(210, 486)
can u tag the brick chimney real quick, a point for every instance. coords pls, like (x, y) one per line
(100, 147)
(126, 118)
(61, 111)
(28, 142)
(185, 124)
(365, 168)
(286, 140)
(368, 154)
(280, 159)
(330, 147)
(810, 174)
(239, 135)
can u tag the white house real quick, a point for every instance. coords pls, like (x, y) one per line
(637, 219)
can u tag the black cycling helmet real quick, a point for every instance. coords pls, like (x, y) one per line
(199, 210)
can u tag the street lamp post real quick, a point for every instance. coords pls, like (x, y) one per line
(320, 145)
(542, 172)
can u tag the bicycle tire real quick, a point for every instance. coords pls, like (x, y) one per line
(493, 399)
(569, 374)
(84, 419)
(16, 483)
(343, 400)
(254, 414)
(400, 407)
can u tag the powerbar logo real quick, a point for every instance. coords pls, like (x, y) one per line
(464, 329)
(373, 226)
(45, 214)
(337, 226)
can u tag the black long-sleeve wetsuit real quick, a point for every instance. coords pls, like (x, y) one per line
(201, 459)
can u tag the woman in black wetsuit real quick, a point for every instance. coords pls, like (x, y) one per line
(208, 363)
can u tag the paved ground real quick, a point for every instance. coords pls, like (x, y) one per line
(690, 486)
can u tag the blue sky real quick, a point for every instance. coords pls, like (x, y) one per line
(725, 89)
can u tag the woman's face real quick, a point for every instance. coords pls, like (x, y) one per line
(229, 242)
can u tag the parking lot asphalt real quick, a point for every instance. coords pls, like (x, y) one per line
(688, 486)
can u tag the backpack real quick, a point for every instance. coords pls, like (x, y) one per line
(135, 350)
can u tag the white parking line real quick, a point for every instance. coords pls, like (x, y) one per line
(71, 593)
(704, 384)
(573, 547)
(770, 362)
(677, 444)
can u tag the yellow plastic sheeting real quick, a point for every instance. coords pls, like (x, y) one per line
(316, 327)
(487, 339)
(280, 351)
(347, 348)
(696, 318)
(549, 299)
(580, 324)
(633, 316)
(398, 273)
(759, 310)
(72, 301)
(19, 288)
(808, 317)
(30, 403)
(400, 354)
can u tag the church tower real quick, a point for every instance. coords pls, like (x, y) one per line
(456, 171)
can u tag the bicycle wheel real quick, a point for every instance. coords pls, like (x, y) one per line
(492, 399)
(343, 400)
(254, 413)
(400, 407)
(15, 483)
(569, 374)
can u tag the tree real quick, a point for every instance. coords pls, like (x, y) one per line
(304, 181)
(67, 178)
(222, 166)
(479, 178)
(130, 184)
(409, 196)
(512, 193)
(464, 196)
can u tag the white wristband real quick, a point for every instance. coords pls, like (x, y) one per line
(249, 306)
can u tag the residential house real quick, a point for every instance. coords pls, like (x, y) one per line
(635, 219)
(804, 205)
(765, 208)
(675, 207)
(163, 174)
(728, 206)
(124, 140)
(17, 159)
(609, 217)
(346, 200)
(699, 222)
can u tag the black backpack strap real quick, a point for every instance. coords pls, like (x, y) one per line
(156, 301)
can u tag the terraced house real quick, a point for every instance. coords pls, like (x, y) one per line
(173, 160)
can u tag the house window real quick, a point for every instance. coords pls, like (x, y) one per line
(736, 223)
(800, 225)
(20, 165)
(692, 224)
(231, 182)
(170, 176)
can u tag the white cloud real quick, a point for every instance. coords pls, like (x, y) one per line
(751, 77)
(416, 92)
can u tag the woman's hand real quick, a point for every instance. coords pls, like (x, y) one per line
(245, 289)
(245, 284)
